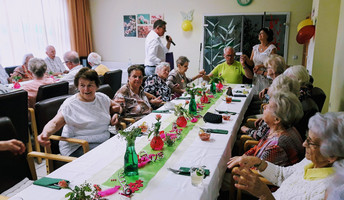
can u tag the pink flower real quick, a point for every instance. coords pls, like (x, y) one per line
(63, 184)
(187, 102)
(194, 120)
(158, 117)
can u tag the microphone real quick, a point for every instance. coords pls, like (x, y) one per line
(168, 38)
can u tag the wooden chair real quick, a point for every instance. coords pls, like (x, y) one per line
(13, 168)
(106, 89)
(44, 111)
(114, 79)
(52, 90)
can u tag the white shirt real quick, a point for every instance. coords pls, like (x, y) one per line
(154, 49)
(70, 78)
(85, 120)
(55, 65)
(3, 76)
(293, 185)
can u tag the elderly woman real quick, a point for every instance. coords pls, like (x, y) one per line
(300, 73)
(156, 84)
(260, 53)
(281, 84)
(85, 115)
(131, 96)
(95, 60)
(305, 180)
(177, 79)
(22, 72)
(283, 144)
(37, 67)
(275, 66)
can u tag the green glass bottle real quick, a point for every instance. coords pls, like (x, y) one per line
(193, 106)
(213, 88)
(131, 167)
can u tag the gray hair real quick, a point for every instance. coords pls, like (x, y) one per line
(329, 128)
(37, 66)
(72, 56)
(94, 58)
(284, 84)
(298, 72)
(228, 48)
(276, 62)
(49, 47)
(25, 61)
(182, 60)
(161, 66)
(288, 108)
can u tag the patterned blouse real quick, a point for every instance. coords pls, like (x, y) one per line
(157, 87)
(262, 130)
(283, 150)
(134, 105)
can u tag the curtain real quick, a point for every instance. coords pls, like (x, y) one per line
(80, 26)
(29, 26)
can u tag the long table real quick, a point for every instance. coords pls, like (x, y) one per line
(100, 163)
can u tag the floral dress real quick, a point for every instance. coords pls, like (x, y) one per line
(157, 87)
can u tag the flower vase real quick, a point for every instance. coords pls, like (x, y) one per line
(16, 85)
(181, 121)
(157, 144)
(219, 86)
(204, 98)
(193, 106)
(131, 167)
(213, 88)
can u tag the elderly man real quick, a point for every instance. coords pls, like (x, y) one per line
(71, 58)
(53, 62)
(154, 49)
(231, 71)
(94, 60)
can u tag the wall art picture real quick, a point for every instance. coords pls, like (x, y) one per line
(143, 30)
(155, 17)
(143, 18)
(129, 25)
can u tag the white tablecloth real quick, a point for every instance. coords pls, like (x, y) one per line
(100, 163)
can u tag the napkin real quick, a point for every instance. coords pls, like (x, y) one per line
(239, 95)
(186, 171)
(236, 100)
(219, 131)
(184, 98)
(49, 182)
(160, 111)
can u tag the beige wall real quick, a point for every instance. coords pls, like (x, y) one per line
(107, 25)
(337, 86)
(325, 46)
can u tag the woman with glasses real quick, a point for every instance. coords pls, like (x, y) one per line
(305, 180)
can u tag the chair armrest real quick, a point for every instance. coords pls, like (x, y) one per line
(83, 143)
(246, 137)
(35, 154)
(130, 120)
(249, 143)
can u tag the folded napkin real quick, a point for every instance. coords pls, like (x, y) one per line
(186, 171)
(49, 182)
(212, 118)
(213, 130)
(239, 95)
(184, 98)
(236, 100)
(160, 111)
(225, 112)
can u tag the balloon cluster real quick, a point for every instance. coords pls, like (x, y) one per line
(305, 31)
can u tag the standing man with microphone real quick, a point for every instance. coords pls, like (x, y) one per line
(154, 49)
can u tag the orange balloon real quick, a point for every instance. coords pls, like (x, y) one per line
(305, 34)
(186, 25)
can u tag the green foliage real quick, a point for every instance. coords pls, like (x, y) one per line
(156, 126)
(194, 90)
(216, 79)
(83, 192)
(180, 110)
(130, 135)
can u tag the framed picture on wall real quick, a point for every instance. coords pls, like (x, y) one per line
(129, 25)
(143, 19)
(143, 30)
(155, 17)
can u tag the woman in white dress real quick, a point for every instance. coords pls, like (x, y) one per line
(260, 53)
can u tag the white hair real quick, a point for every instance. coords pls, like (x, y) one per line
(298, 72)
(285, 84)
(94, 58)
(25, 57)
(161, 66)
(276, 62)
(227, 48)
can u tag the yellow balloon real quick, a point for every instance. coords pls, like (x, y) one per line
(186, 25)
(304, 23)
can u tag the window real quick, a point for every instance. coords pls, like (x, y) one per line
(29, 26)
(241, 32)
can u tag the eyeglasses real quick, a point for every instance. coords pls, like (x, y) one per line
(66, 62)
(310, 143)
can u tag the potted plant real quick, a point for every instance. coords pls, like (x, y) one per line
(156, 142)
